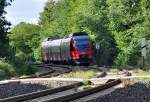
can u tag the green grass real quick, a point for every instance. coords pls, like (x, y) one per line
(140, 72)
(25, 70)
(81, 74)
(144, 79)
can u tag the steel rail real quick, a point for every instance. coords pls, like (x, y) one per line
(84, 93)
(38, 75)
(34, 95)
(49, 72)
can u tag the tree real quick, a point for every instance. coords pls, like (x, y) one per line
(25, 37)
(4, 26)
(53, 19)
(129, 22)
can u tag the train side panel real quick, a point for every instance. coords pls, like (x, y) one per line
(55, 50)
(50, 51)
(44, 52)
(65, 49)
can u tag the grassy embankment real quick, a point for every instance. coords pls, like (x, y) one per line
(78, 73)
(136, 71)
(143, 73)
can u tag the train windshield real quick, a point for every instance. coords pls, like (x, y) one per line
(82, 42)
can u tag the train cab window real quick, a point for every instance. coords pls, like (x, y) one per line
(82, 42)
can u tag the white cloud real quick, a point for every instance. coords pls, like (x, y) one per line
(33, 20)
(24, 11)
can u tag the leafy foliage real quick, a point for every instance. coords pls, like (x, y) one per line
(6, 69)
(129, 22)
(4, 26)
(118, 25)
(25, 37)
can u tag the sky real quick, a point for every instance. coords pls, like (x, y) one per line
(24, 11)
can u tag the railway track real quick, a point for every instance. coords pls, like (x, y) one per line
(33, 95)
(54, 70)
(61, 94)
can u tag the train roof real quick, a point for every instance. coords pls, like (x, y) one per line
(77, 34)
(68, 36)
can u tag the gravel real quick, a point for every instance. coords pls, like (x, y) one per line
(138, 92)
(17, 89)
(14, 89)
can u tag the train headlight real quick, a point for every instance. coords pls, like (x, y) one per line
(75, 54)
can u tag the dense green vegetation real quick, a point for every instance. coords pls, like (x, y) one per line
(8, 70)
(25, 39)
(11, 65)
(4, 26)
(118, 25)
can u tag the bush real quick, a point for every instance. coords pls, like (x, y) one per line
(21, 64)
(25, 69)
(2, 74)
(19, 68)
(23, 58)
(6, 68)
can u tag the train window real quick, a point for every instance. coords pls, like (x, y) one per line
(82, 43)
(79, 34)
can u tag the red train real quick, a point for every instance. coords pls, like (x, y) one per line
(75, 49)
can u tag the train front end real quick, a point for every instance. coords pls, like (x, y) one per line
(81, 48)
